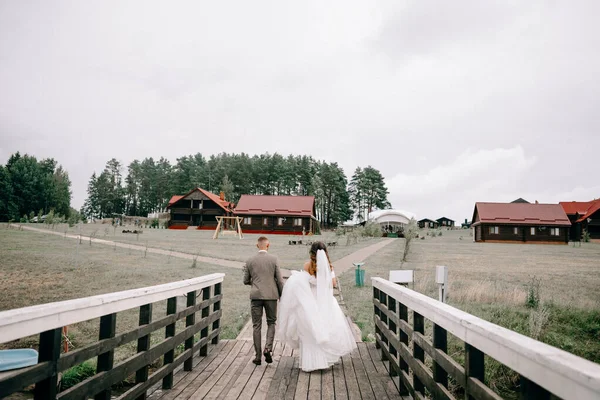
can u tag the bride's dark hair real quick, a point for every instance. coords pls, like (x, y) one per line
(316, 246)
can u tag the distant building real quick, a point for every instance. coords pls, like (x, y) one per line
(445, 222)
(197, 208)
(520, 223)
(520, 200)
(428, 223)
(391, 221)
(277, 214)
(584, 215)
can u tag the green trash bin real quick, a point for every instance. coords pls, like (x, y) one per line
(359, 274)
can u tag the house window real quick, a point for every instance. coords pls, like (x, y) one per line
(297, 221)
(532, 230)
(247, 220)
(265, 221)
(431, 224)
(555, 231)
(494, 230)
(516, 230)
(280, 221)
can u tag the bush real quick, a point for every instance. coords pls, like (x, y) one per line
(154, 223)
(533, 293)
(586, 236)
(74, 375)
(339, 232)
(372, 229)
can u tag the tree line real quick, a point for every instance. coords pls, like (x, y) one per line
(30, 187)
(148, 185)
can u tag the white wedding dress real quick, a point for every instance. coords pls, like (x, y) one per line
(311, 320)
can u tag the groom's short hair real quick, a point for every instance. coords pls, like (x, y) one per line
(262, 240)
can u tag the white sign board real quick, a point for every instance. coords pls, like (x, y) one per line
(441, 274)
(402, 276)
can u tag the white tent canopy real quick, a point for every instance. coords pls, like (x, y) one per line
(391, 217)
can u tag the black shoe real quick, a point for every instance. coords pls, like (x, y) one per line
(268, 357)
(257, 361)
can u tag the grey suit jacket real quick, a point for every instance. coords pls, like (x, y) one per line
(263, 273)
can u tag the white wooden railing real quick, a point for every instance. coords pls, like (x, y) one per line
(546, 372)
(49, 319)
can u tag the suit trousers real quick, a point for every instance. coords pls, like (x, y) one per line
(256, 310)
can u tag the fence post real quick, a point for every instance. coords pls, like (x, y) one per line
(403, 314)
(108, 327)
(440, 342)
(49, 351)
(376, 313)
(190, 320)
(532, 391)
(204, 314)
(394, 330)
(384, 319)
(216, 307)
(169, 356)
(474, 367)
(143, 344)
(418, 353)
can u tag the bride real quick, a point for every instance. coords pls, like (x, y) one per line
(310, 318)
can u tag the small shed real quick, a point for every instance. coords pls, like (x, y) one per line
(445, 222)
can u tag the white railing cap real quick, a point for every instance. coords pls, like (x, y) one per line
(562, 373)
(22, 322)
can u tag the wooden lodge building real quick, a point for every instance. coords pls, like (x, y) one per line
(427, 223)
(277, 214)
(198, 208)
(445, 222)
(520, 223)
(584, 215)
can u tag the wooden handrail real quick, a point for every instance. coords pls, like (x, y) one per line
(559, 372)
(22, 322)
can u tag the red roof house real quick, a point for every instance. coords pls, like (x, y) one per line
(520, 222)
(197, 208)
(277, 214)
(584, 215)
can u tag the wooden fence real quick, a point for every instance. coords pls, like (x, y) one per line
(47, 320)
(545, 371)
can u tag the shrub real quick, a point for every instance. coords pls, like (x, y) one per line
(585, 236)
(372, 229)
(339, 232)
(533, 293)
(538, 319)
(74, 375)
(411, 231)
(23, 219)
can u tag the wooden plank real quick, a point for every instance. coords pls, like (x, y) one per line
(327, 386)
(314, 385)
(170, 332)
(351, 381)
(27, 321)
(143, 344)
(339, 382)
(377, 383)
(189, 321)
(50, 352)
(290, 393)
(364, 385)
(108, 327)
(474, 365)
(242, 379)
(263, 387)
(237, 366)
(201, 385)
(182, 379)
(301, 392)
(256, 377)
(281, 379)
(451, 366)
(13, 381)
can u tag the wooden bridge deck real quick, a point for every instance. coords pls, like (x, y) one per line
(227, 372)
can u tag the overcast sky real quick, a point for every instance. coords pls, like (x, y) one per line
(453, 101)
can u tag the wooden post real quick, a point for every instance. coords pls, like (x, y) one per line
(394, 329)
(440, 341)
(474, 367)
(204, 313)
(418, 353)
(532, 391)
(377, 313)
(403, 314)
(108, 327)
(49, 351)
(169, 356)
(383, 316)
(216, 307)
(143, 344)
(190, 320)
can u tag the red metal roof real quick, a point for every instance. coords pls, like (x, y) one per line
(521, 214)
(576, 207)
(593, 208)
(225, 205)
(301, 206)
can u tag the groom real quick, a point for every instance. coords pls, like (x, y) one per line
(263, 273)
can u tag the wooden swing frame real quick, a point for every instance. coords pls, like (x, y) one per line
(236, 232)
